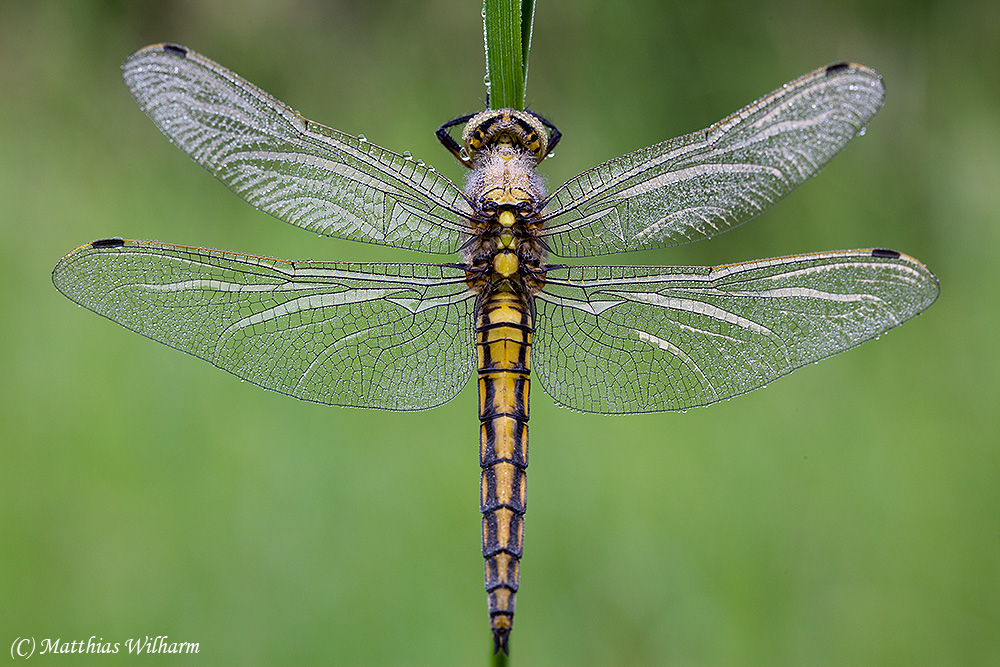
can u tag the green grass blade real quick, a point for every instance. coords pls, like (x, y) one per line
(527, 25)
(498, 659)
(508, 39)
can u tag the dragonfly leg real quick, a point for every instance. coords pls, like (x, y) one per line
(449, 141)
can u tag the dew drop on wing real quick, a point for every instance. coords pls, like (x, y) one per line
(362, 138)
(408, 155)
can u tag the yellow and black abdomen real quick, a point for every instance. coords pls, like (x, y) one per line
(503, 340)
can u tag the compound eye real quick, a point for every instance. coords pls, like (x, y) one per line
(475, 141)
(488, 207)
(532, 145)
(526, 209)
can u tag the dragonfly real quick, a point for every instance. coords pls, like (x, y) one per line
(408, 336)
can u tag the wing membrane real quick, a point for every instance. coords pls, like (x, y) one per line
(390, 336)
(646, 339)
(299, 171)
(702, 184)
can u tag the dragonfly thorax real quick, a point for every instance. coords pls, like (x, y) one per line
(504, 176)
(502, 148)
(506, 195)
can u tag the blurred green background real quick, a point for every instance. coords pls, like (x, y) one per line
(846, 515)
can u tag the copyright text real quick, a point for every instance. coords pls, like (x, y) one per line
(26, 647)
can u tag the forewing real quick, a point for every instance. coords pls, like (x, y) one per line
(299, 171)
(390, 336)
(646, 339)
(700, 185)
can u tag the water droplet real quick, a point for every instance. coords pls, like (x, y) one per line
(408, 155)
(420, 163)
(862, 131)
(362, 138)
(486, 80)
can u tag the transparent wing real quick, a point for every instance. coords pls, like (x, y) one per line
(299, 171)
(700, 185)
(646, 339)
(390, 336)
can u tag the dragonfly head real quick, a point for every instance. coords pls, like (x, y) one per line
(518, 130)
